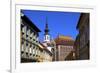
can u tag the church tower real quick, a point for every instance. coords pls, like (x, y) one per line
(46, 35)
(47, 39)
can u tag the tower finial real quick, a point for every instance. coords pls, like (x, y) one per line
(46, 27)
(46, 30)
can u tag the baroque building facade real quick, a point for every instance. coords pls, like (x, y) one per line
(32, 50)
(29, 39)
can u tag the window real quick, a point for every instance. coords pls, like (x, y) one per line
(27, 47)
(30, 50)
(31, 34)
(22, 47)
(28, 31)
(33, 40)
(34, 35)
(33, 49)
(26, 43)
(36, 52)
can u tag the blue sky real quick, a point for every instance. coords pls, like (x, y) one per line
(63, 23)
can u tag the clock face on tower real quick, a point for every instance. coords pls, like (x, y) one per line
(47, 38)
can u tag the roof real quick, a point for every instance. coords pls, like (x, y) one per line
(45, 48)
(30, 23)
(65, 37)
(64, 40)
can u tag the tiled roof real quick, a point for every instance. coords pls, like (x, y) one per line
(64, 40)
(65, 37)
